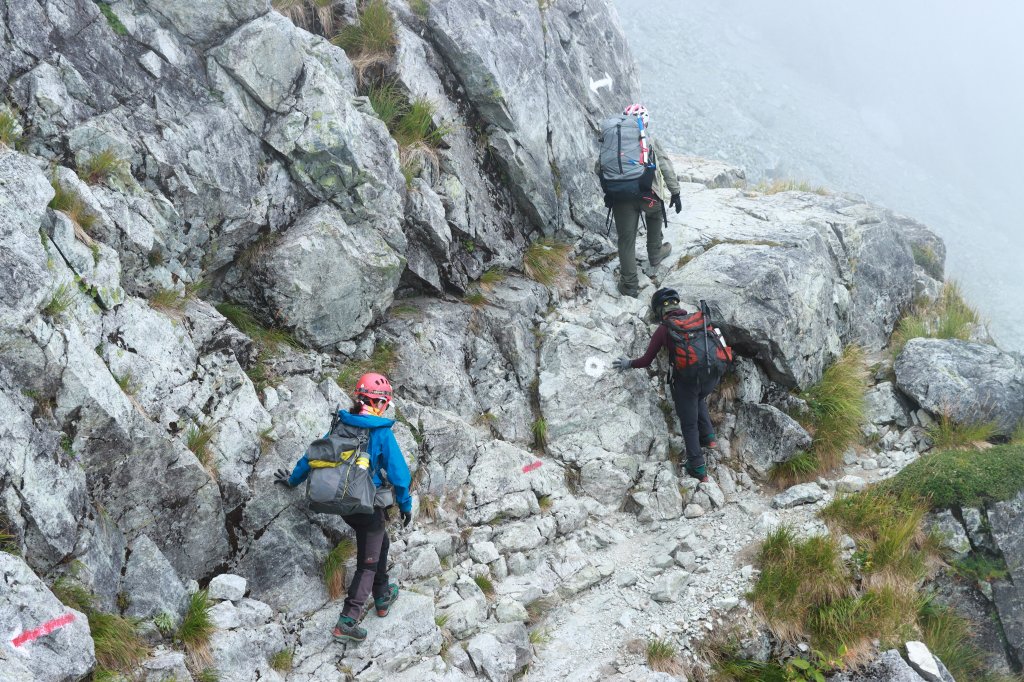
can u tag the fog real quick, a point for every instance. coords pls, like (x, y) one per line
(917, 105)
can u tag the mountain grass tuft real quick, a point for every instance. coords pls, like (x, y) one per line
(10, 128)
(101, 166)
(334, 567)
(196, 629)
(947, 433)
(545, 260)
(949, 317)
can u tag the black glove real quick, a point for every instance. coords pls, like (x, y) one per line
(676, 202)
(622, 364)
(281, 476)
(406, 518)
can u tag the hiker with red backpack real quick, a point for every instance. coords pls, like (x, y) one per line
(698, 358)
(636, 176)
(357, 471)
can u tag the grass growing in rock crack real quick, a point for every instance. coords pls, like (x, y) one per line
(112, 20)
(485, 585)
(267, 439)
(492, 277)
(965, 478)
(62, 299)
(208, 675)
(69, 203)
(388, 101)
(116, 639)
(197, 439)
(10, 128)
(196, 628)
(8, 540)
(282, 660)
(537, 609)
(101, 166)
(416, 125)
(545, 502)
(981, 568)
(925, 256)
(475, 298)
(371, 41)
(950, 317)
(540, 434)
(311, 15)
(837, 407)
(545, 260)
(246, 322)
(429, 506)
(947, 433)
(948, 636)
(334, 567)
(539, 636)
(420, 8)
(382, 360)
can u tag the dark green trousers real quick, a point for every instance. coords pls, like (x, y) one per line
(627, 222)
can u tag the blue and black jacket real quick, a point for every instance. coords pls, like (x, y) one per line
(384, 455)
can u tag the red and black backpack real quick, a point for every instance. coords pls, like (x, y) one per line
(695, 345)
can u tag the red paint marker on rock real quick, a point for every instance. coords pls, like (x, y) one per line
(530, 467)
(44, 629)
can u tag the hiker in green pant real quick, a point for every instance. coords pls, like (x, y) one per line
(636, 175)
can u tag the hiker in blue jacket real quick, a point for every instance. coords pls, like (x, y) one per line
(372, 397)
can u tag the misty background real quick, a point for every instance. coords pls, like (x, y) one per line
(917, 105)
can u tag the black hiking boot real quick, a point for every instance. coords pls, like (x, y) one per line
(383, 604)
(347, 631)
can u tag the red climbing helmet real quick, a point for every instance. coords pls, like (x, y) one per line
(375, 389)
(638, 110)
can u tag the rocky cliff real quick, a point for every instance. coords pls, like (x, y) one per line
(209, 225)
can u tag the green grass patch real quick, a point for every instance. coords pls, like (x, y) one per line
(836, 405)
(382, 361)
(282, 660)
(539, 636)
(485, 585)
(112, 20)
(475, 298)
(963, 478)
(947, 433)
(118, 645)
(208, 675)
(127, 383)
(661, 656)
(417, 125)
(545, 502)
(389, 101)
(948, 636)
(8, 540)
(949, 317)
(69, 203)
(540, 434)
(60, 301)
(196, 629)
(198, 438)
(981, 568)
(10, 128)
(334, 567)
(172, 301)
(786, 185)
(925, 256)
(246, 322)
(372, 37)
(492, 277)
(420, 8)
(101, 166)
(545, 260)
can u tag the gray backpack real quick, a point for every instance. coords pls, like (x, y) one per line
(341, 474)
(627, 163)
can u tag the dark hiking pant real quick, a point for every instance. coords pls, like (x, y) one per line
(627, 222)
(371, 574)
(690, 396)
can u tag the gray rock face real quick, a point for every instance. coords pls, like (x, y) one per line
(711, 173)
(63, 653)
(883, 405)
(829, 271)
(1006, 519)
(24, 281)
(952, 533)
(202, 24)
(971, 382)
(329, 280)
(152, 583)
(889, 667)
(765, 436)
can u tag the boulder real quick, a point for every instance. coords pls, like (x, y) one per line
(968, 382)
(765, 436)
(46, 640)
(657, 494)
(151, 584)
(329, 279)
(922, 661)
(883, 405)
(228, 586)
(889, 667)
(802, 493)
(669, 587)
(951, 532)
(205, 23)
(711, 173)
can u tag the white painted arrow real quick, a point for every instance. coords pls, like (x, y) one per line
(604, 82)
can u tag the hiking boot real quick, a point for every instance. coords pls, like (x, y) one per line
(633, 293)
(709, 441)
(700, 473)
(662, 254)
(347, 631)
(383, 604)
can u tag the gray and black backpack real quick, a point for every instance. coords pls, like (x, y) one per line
(341, 473)
(627, 162)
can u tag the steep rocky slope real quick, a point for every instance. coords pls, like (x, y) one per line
(141, 427)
